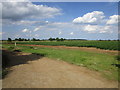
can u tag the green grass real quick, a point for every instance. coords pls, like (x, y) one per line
(110, 45)
(95, 61)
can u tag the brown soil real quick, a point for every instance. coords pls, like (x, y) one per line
(33, 71)
(88, 49)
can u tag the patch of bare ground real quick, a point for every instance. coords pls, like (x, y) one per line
(34, 71)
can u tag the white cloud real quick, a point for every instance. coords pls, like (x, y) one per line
(46, 21)
(95, 22)
(1, 33)
(17, 35)
(91, 18)
(36, 35)
(56, 29)
(113, 19)
(23, 10)
(90, 28)
(23, 22)
(36, 29)
(71, 33)
(53, 26)
(99, 28)
(25, 30)
(70, 27)
(106, 29)
(60, 32)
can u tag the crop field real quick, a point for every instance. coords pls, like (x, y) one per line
(101, 62)
(107, 45)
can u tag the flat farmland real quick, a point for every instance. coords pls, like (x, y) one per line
(61, 64)
(94, 59)
(107, 45)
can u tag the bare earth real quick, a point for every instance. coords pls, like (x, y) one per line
(33, 71)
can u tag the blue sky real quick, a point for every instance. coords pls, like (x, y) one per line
(73, 20)
(72, 10)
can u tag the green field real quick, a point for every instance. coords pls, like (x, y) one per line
(108, 45)
(101, 62)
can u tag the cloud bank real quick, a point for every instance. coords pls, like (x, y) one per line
(113, 19)
(94, 17)
(24, 10)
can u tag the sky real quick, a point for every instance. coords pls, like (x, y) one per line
(70, 20)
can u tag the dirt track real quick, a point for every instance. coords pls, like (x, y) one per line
(33, 71)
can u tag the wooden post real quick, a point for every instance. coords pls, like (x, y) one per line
(15, 43)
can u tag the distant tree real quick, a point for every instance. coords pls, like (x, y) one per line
(61, 39)
(28, 39)
(33, 39)
(25, 40)
(37, 39)
(51, 39)
(16, 39)
(20, 39)
(57, 39)
(9, 40)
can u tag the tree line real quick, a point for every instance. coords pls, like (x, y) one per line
(56, 39)
(22, 39)
(34, 39)
(52, 39)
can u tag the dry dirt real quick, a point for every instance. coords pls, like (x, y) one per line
(33, 71)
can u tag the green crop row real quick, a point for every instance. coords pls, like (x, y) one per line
(108, 45)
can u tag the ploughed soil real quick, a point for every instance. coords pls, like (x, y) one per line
(28, 70)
